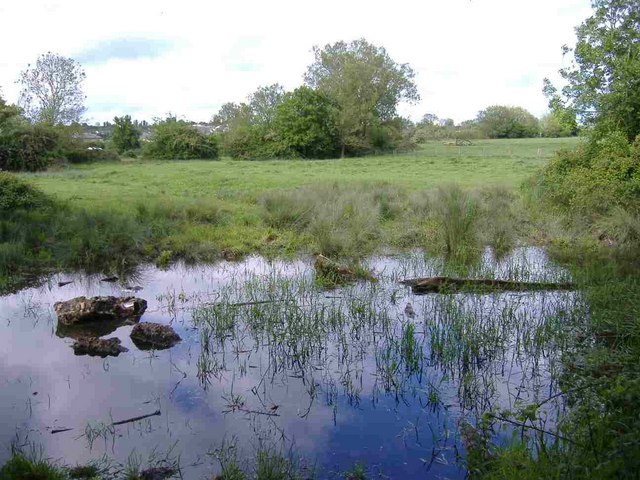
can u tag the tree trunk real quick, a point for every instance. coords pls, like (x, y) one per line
(342, 151)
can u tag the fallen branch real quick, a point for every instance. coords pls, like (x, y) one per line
(531, 427)
(135, 419)
(60, 430)
(453, 285)
(242, 304)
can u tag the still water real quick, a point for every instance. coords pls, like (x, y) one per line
(270, 360)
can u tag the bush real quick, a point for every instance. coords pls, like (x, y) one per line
(25, 147)
(250, 142)
(595, 177)
(17, 194)
(86, 155)
(175, 139)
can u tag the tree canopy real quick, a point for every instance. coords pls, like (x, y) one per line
(52, 90)
(603, 84)
(305, 124)
(125, 135)
(365, 83)
(499, 121)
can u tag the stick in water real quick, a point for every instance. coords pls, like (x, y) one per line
(135, 419)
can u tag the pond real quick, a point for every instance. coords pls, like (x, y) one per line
(366, 373)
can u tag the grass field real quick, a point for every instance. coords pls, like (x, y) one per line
(115, 186)
(195, 210)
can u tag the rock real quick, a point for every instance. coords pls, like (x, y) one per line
(328, 268)
(158, 473)
(154, 336)
(82, 309)
(335, 273)
(98, 347)
(409, 311)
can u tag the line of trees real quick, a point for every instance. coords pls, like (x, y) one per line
(347, 106)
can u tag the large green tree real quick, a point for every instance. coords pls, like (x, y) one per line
(305, 124)
(125, 135)
(367, 85)
(603, 83)
(52, 90)
(499, 121)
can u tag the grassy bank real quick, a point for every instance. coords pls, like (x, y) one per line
(113, 215)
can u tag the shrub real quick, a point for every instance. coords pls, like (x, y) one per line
(25, 147)
(250, 142)
(175, 139)
(596, 177)
(81, 154)
(17, 194)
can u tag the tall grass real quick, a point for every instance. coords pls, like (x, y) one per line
(457, 212)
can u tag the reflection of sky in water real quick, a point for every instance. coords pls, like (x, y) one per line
(350, 419)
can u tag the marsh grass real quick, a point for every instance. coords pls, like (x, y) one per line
(457, 213)
(31, 465)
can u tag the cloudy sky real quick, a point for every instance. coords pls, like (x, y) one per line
(150, 57)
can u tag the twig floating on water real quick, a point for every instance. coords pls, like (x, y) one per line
(135, 419)
(60, 430)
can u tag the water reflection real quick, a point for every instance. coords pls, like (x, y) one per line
(342, 376)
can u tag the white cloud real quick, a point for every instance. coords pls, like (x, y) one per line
(467, 53)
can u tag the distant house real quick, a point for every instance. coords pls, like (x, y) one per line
(88, 137)
(204, 128)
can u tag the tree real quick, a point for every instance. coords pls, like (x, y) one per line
(552, 125)
(305, 124)
(52, 90)
(228, 114)
(365, 83)
(498, 121)
(248, 127)
(263, 104)
(603, 83)
(125, 135)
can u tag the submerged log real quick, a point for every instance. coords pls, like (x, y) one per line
(474, 285)
(83, 309)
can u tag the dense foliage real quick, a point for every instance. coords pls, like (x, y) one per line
(604, 81)
(305, 124)
(177, 139)
(24, 146)
(366, 84)
(596, 177)
(124, 136)
(498, 121)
